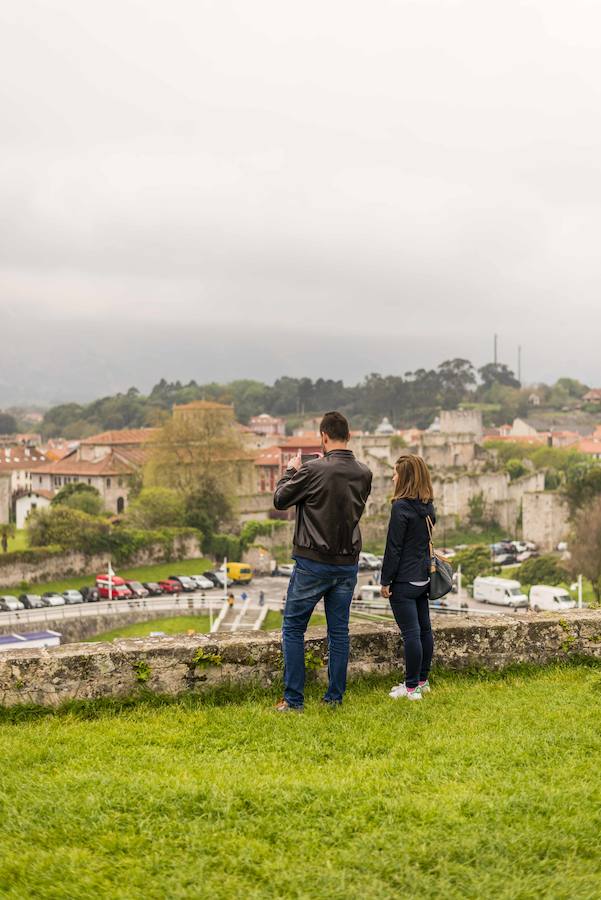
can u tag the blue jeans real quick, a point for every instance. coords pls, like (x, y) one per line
(309, 583)
(409, 604)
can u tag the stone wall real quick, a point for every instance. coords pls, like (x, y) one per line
(545, 519)
(75, 629)
(174, 666)
(66, 565)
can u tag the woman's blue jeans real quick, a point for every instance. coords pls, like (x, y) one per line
(309, 583)
(409, 604)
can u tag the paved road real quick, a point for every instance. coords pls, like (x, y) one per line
(274, 590)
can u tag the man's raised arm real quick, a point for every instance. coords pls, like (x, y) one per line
(292, 488)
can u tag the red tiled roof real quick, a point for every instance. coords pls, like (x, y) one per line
(589, 446)
(269, 456)
(14, 458)
(123, 436)
(111, 464)
(299, 441)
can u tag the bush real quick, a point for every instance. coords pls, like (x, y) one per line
(515, 468)
(72, 529)
(474, 561)
(80, 496)
(542, 570)
(220, 545)
(254, 529)
(157, 507)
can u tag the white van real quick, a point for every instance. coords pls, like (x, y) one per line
(502, 591)
(545, 597)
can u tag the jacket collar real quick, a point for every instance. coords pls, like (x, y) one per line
(341, 452)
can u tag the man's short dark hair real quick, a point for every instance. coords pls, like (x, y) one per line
(335, 426)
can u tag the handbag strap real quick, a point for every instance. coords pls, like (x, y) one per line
(430, 526)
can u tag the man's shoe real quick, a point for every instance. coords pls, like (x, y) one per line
(284, 707)
(333, 704)
(401, 691)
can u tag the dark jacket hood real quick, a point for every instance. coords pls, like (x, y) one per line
(422, 509)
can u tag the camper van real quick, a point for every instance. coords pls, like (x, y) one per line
(546, 598)
(501, 591)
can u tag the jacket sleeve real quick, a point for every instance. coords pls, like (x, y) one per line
(292, 488)
(395, 539)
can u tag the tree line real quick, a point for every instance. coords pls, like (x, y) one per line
(411, 399)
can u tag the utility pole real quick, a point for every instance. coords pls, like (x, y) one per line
(495, 350)
(520, 364)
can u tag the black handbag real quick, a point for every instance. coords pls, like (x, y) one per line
(441, 571)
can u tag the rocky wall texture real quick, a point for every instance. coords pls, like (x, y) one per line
(178, 665)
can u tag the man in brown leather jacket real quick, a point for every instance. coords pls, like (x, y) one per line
(330, 494)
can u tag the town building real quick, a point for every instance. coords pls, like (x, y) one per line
(267, 425)
(20, 463)
(5, 498)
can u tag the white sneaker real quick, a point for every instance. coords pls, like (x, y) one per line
(425, 687)
(400, 690)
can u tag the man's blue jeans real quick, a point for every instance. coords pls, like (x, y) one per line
(310, 582)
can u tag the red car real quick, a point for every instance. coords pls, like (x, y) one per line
(119, 589)
(170, 586)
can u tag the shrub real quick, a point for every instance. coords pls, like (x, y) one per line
(543, 570)
(515, 468)
(253, 529)
(80, 496)
(474, 561)
(157, 507)
(72, 529)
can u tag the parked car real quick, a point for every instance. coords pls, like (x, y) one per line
(217, 579)
(170, 586)
(369, 561)
(51, 598)
(9, 603)
(31, 601)
(138, 590)
(153, 587)
(187, 584)
(89, 594)
(501, 547)
(73, 596)
(119, 589)
(501, 591)
(544, 597)
(526, 554)
(205, 584)
(285, 570)
(504, 559)
(370, 595)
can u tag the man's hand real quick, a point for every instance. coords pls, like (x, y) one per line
(385, 591)
(295, 463)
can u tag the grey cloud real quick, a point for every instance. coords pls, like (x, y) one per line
(331, 189)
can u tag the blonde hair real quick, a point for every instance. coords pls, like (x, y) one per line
(414, 481)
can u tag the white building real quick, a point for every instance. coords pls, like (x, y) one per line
(26, 503)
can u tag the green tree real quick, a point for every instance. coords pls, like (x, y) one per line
(497, 373)
(7, 531)
(583, 484)
(208, 509)
(585, 547)
(69, 528)
(157, 507)
(80, 496)
(8, 424)
(542, 570)
(474, 560)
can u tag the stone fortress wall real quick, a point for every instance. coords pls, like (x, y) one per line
(180, 665)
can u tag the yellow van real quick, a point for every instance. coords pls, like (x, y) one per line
(239, 572)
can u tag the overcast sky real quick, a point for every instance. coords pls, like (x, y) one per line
(224, 189)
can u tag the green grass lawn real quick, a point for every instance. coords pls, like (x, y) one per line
(182, 624)
(141, 573)
(19, 541)
(488, 788)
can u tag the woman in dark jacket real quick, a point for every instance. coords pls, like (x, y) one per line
(406, 571)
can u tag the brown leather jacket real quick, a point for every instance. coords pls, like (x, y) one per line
(330, 495)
